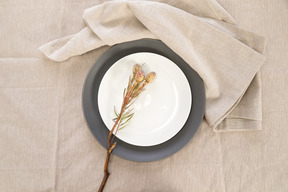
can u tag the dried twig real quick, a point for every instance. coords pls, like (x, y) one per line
(135, 86)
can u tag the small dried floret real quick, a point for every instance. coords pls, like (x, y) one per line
(150, 77)
(140, 75)
(136, 68)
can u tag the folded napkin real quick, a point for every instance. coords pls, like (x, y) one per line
(226, 57)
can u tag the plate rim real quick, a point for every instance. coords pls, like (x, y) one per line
(125, 150)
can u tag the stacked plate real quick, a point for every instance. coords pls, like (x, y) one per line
(167, 113)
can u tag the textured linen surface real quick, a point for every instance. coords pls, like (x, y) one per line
(45, 144)
(225, 56)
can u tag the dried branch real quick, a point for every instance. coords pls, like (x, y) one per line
(134, 88)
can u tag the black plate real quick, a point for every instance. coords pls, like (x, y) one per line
(96, 124)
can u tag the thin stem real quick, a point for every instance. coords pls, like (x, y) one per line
(129, 96)
(110, 147)
(110, 139)
(129, 93)
(141, 87)
(125, 102)
(106, 173)
(111, 132)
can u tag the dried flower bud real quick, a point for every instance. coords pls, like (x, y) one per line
(140, 75)
(150, 77)
(136, 68)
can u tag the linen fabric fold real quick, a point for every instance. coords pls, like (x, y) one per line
(226, 57)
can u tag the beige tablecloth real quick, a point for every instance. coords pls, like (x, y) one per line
(45, 144)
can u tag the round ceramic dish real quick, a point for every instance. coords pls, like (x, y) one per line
(159, 112)
(124, 149)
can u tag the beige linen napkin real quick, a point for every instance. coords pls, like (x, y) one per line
(226, 57)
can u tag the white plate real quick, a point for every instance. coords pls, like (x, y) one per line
(160, 111)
